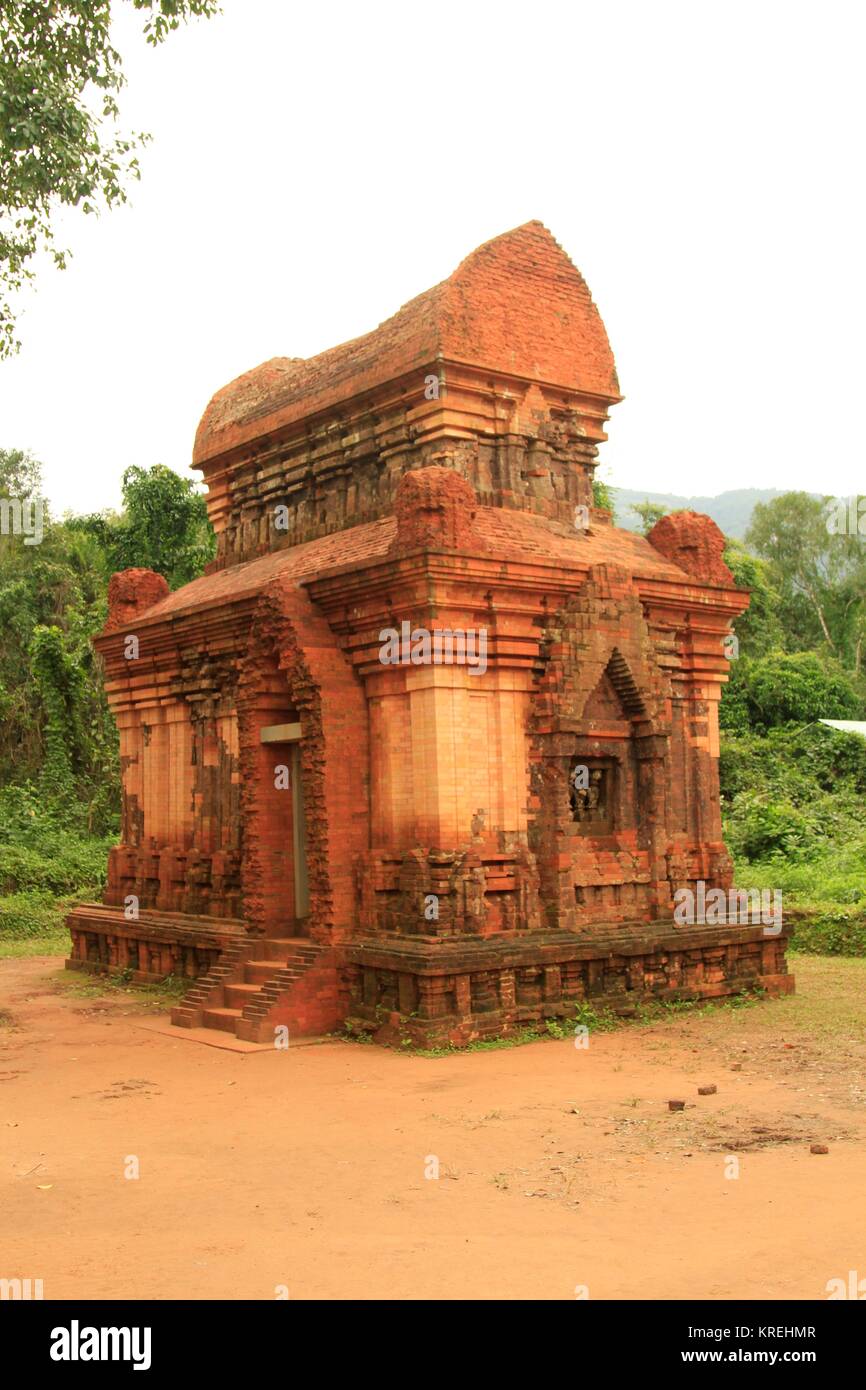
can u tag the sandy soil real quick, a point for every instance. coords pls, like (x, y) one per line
(558, 1167)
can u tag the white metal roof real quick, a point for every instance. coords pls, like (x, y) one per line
(848, 726)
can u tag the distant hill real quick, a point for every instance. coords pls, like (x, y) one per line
(731, 511)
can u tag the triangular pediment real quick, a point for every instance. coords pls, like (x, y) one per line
(616, 696)
(603, 705)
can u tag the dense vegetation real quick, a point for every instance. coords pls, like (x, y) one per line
(59, 774)
(793, 790)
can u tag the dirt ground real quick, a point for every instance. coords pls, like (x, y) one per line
(560, 1168)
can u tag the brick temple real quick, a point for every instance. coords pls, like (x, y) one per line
(432, 745)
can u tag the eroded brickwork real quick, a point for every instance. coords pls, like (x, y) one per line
(289, 639)
(487, 824)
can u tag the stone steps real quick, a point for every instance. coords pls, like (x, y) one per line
(222, 1018)
(236, 995)
(280, 947)
(208, 988)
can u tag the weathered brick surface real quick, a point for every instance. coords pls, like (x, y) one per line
(517, 304)
(130, 593)
(291, 639)
(436, 473)
(694, 543)
(465, 993)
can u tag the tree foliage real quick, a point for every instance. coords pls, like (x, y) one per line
(163, 527)
(649, 513)
(759, 629)
(788, 688)
(56, 733)
(820, 575)
(60, 77)
(602, 494)
(20, 474)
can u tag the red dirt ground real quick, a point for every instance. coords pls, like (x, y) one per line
(559, 1167)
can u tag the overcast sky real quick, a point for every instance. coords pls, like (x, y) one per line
(313, 167)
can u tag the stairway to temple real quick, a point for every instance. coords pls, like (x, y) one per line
(260, 984)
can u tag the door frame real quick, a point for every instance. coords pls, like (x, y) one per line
(291, 734)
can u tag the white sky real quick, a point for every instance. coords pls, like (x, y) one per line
(316, 166)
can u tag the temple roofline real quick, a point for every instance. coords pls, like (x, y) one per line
(515, 305)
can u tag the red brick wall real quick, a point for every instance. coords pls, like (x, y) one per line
(330, 705)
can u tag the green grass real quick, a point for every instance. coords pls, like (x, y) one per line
(828, 1009)
(830, 892)
(830, 998)
(33, 923)
(519, 1038)
(54, 944)
(84, 985)
(835, 931)
(829, 1003)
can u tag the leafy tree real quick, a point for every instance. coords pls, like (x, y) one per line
(734, 711)
(788, 687)
(847, 600)
(795, 762)
(59, 80)
(759, 629)
(20, 486)
(649, 513)
(603, 495)
(54, 722)
(164, 526)
(800, 687)
(56, 734)
(793, 811)
(820, 576)
(20, 474)
(58, 678)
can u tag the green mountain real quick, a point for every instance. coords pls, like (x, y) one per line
(731, 511)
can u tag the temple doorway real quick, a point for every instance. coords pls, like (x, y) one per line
(284, 744)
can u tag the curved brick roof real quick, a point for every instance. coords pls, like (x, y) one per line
(516, 305)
